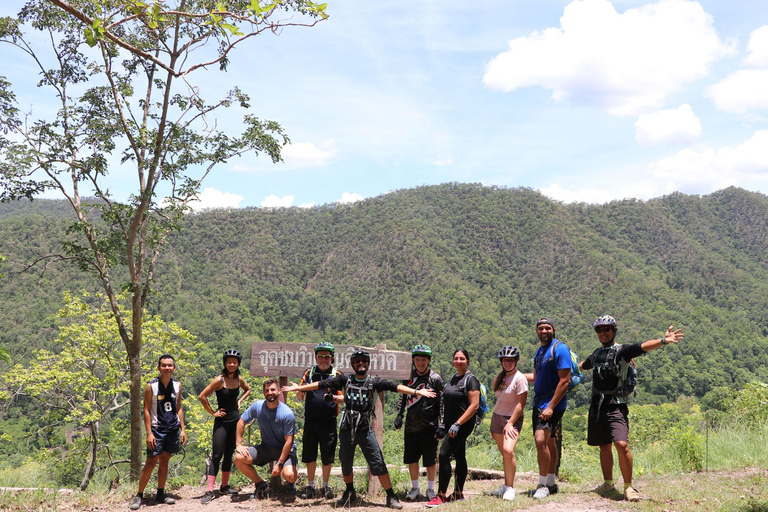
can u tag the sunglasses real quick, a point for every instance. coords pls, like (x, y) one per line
(603, 328)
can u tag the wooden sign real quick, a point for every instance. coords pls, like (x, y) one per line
(286, 359)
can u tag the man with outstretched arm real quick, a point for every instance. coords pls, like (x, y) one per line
(551, 377)
(612, 384)
(276, 425)
(356, 427)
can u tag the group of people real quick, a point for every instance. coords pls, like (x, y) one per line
(430, 409)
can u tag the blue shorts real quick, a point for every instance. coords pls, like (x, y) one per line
(165, 442)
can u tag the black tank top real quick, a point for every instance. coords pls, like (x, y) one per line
(226, 399)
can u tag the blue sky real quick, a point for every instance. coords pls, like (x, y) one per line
(587, 100)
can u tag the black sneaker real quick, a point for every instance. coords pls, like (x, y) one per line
(164, 498)
(207, 497)
(307, 493)
(327, 493)
(260, 491)
(552, 489)
(347, 499)
(393, 502)
(227, 490)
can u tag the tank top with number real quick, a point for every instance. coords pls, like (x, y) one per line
(163, 414)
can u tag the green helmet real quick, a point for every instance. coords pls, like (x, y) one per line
(324, 345)
(422, 350)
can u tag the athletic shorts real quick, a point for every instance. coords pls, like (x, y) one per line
(165, 442)
(322, 433)
(421, 445)
(550, 424)
(612, 425)
(498, 422)
(366, 440)
(263, 454)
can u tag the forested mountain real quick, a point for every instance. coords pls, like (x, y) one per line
(455, 265)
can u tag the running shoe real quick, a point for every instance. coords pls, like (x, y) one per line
(260, 491)
(307, 493)
(631, 494)
(436, 501)
(499, 492)
(413, 494)
(393, 502)
(509, 494)
(542, 491)
(430, 494)
(604, 488)
(226, 490)
(136, 503)
(347, 499)
(207, 497)
(164, 498)
(327, 493)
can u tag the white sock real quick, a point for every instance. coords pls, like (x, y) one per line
(430, 485)
(325, 484)
(542, 480)
(414, 484)
(550, 479)
(311, 484)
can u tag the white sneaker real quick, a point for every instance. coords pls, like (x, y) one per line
(541, 492)
(430, 494)
(499, 492)
(413, 494)
(509, 494)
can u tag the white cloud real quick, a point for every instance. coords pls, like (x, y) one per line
(443, 162)
(707, 170)
(272, 201)
(673, 126)
(625, 63)
(307, 205)
(758, 48)
(746, 89)
(306, 154)
(212, 198)
(347, 198)
(609, 190)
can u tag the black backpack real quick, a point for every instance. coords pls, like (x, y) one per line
(625, 371)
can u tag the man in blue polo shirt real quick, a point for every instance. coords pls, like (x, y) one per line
(551, 376)
(276, 424)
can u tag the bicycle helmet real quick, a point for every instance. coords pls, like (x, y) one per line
(360, 353)
(422, 350)
(232, 353)
(509, 351)
(605, 320)
(324, 345)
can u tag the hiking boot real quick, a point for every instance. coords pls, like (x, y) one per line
(498, 493)
(393, 502)
(227, 491)
(604, 488)
(552, 489)
(327, 493)
(542, 491)
(436, 501)
(164, 498)
(291, 490)
(509, 494)
(207, 497)
(631, 494)
(413, 494)
(347, 499)
(260, 491)
(307, 493)
(430, 494)
(135, 503)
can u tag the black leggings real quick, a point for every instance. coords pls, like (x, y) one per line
(223, 446)
(456, 447)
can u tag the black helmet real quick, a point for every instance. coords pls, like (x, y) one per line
(358, 354)
(422, 350)
(324, 345)
(605, 320)
(232, 353)
(509, 351)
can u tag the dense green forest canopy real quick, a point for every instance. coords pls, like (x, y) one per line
(454, 265)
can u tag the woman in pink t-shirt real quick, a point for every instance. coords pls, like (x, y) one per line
(511, 389)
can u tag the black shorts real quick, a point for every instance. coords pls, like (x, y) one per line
(550, 424)
(610, 426)
(263, 454)
(421, 445)
(165, 442)
(322, 433)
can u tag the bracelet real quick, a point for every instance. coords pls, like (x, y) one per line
(663, 341)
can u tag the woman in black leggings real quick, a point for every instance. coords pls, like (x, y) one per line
(227, 387)
(461, 397)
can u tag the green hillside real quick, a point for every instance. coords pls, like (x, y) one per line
(455, 265)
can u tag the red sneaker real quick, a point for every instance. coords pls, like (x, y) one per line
(436, 501)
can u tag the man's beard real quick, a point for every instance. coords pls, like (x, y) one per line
(271, 398)
(361, 370)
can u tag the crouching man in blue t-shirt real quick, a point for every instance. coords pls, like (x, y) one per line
(275, 420)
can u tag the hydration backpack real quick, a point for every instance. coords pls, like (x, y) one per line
(576, 375)
(625, 371)
(482, 407)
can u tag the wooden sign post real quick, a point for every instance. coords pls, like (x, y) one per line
(285, 359)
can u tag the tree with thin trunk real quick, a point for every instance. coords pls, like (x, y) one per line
(121, 74)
